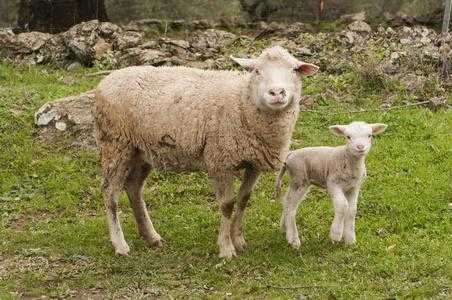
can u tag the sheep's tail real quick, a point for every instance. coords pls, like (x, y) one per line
(278, 182)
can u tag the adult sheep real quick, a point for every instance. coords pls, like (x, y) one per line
(186, 119)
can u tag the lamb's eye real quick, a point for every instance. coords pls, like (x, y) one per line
(257, 72)
(370, 136)
(349, 137)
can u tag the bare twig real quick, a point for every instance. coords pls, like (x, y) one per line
(298, 287)
(445, 30)
(260, 35)
(166, 28)
(369, 110)
(105, 72)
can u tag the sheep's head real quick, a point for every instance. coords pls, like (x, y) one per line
(275, 79)
(359, 135)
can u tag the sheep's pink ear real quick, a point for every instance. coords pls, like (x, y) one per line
(378, 128)
(307, 69)
(248, 63)
(337, 129)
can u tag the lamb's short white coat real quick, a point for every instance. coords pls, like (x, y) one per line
(340, 170)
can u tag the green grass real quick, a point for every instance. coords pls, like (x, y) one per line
(53, 234)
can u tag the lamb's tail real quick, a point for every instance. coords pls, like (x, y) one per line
(278, 182)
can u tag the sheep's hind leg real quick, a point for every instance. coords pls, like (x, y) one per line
(224, 194)
(114, 161)
(293, 197)
(249, 179)
(138, 172)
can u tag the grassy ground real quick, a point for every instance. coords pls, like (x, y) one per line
(53, 234)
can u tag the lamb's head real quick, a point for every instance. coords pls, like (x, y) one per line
(275, 79)
(359, 135)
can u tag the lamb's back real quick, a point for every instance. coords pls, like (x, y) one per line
(313, 163)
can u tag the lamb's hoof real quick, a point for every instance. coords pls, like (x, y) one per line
(239, 243)
(227, 252)
(295, 243)
(335, 237)
(282, 226)
(350, 241)
(122, 250)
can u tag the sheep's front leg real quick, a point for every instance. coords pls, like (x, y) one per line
(340, 205)
(294, 195)
(249, 179)
(349, 224)
(224, 194)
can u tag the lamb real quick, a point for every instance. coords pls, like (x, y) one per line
(186, 119)
(340, 170)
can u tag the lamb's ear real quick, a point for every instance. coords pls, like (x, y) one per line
(248, 63)
(378, 128)
(338, 129)
(306, 69)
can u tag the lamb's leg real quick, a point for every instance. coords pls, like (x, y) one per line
(115, 160)
(249, 179)
(138, 172)
(294, 195)
(224, 194)
(340, 205)
(349, 224)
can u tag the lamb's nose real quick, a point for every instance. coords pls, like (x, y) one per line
(277, 92)
(360, 146)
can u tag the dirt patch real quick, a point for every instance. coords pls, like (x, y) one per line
(21, 221)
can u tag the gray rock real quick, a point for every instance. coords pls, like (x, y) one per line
(360, 16)
(211, 40)
(45, 115)
(359, 26)
(32, 47)
(425, 40)
(140, 56)
(74, 66)
(395, 56)
(69, 116)
(128, 39)
(351, 36)
(61, 126)
(305, 51)
(406, 41)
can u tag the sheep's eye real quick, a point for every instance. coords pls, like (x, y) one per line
(349, 137)
(370, 135)
(257, 72)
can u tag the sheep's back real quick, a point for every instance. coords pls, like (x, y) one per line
(166, 112)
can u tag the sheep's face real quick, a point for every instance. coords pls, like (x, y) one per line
(275, 78)
(359, 136)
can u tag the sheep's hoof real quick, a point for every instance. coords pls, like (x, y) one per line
(227, 252)
(239, 243)
(122, 250)
(156, 243)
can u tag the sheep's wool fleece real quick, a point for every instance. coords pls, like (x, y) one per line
(182, 118)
